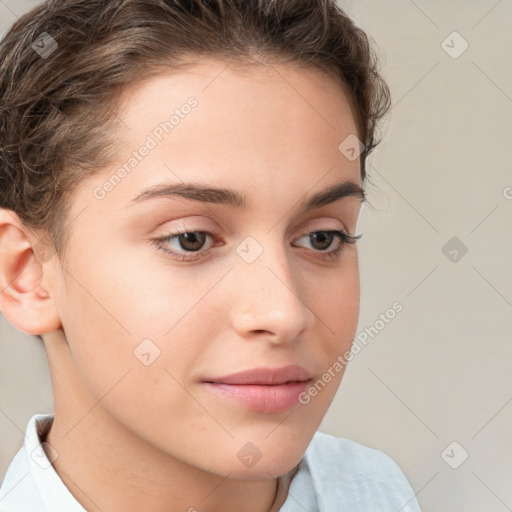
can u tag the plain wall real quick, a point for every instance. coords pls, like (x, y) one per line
(440, 371)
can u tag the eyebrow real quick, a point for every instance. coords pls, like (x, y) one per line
(230, 197)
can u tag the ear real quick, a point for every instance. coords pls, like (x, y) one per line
(26, 288)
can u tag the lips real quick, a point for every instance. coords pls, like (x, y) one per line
(264, 390)
(265, 376)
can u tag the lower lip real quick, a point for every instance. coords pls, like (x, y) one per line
(268, 399)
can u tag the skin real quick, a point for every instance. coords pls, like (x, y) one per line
(159, 438)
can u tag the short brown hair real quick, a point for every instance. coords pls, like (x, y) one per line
(57, 111)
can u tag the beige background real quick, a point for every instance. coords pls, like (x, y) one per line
(440, 371)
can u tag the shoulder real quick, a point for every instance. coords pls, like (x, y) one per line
(18, 490)
(28, 471)
(346, 469)
(350, 455)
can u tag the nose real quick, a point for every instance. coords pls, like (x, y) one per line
(268, 302)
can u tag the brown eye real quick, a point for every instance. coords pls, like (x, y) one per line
(184, 244)
(321, 240)
(191, 241)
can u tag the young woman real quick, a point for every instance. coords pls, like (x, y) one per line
(181, 184)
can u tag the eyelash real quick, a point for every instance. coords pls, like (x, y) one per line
(344, 238)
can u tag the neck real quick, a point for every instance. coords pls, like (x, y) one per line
(107, 469)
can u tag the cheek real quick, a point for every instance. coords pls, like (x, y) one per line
(336, 303)
(132, 292)
(133, 313)
(132, 370)
(339, 314)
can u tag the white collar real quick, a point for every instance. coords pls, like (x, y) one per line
(54, 494)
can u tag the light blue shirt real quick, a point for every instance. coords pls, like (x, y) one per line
(334, 475)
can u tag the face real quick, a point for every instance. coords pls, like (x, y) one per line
(257, 281)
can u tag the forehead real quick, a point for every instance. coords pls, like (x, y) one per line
(231, 96)
(251, 127)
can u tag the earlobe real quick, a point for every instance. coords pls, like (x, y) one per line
(24, 300)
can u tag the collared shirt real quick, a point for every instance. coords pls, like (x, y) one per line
(334, 475)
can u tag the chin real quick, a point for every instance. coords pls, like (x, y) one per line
(270, 462)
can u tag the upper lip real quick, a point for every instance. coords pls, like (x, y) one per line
(265, 376)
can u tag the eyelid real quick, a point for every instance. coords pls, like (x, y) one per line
(322, 224)
(184, 225)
